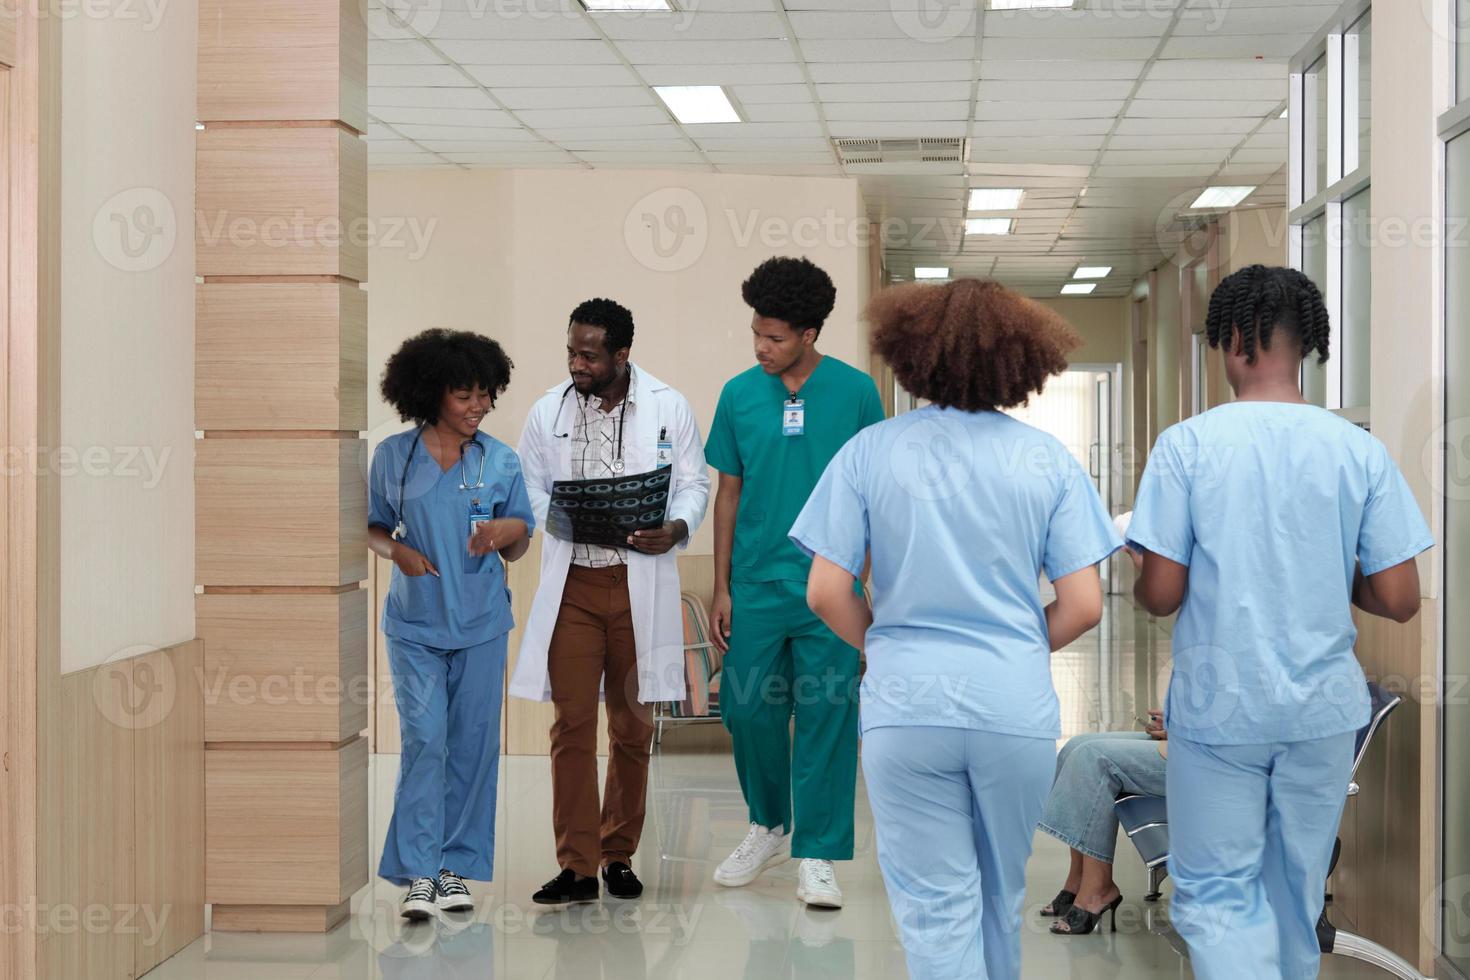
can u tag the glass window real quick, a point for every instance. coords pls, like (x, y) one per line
(1456, 551)
(1315, 143)
(1362, 34)
(1314, 264)
(1357, 297)
(1462, 50)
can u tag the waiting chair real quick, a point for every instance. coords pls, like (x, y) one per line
(702, 664)
(1145, 820)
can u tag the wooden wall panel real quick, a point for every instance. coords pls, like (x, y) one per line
(281, 202)
(280, 60)
(286, 827)
(284, 667)
(281, 356)
(281, 512)
(169, 805)
(8, 19)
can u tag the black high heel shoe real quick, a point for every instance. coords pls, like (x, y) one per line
(1081, 922)
(1060, 905)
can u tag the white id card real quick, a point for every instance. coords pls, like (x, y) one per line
(793, 418)
(476, 519)
(665, 449)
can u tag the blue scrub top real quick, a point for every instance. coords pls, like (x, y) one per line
(1271, 504)
(961, 511)
(468, 603)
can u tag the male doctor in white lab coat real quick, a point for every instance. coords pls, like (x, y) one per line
(606, 620)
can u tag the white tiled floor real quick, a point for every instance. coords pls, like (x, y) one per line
(685, 925)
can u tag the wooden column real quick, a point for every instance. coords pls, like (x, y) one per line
(281, 398)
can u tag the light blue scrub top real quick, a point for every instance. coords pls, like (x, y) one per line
(468, 603)
(1270, 504)
(961, 511)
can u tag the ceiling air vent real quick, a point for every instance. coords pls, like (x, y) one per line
(922, 150)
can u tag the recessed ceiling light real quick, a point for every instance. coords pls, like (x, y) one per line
(1092, 272)
(698, 103)
(598, 5)
(1222, 197)
(1029, 4)
(931, 272)
(988, 226)
(995, 198)
(1078, 288)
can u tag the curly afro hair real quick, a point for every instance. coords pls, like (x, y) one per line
(1258, 300)
(436, 361)
(794, 290)
(970, 344)
(614, 319)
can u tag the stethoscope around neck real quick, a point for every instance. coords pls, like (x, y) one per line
(464, 480)
(617, 463)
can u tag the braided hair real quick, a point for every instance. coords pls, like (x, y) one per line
(1259, 299)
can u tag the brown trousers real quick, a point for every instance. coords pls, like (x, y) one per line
(593, 640)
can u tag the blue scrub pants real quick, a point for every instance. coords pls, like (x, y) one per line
(449, 704)
(955, 810)
(1251, 829)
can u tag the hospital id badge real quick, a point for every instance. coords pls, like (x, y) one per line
(477, 517)
(793, 418)
(665, 454)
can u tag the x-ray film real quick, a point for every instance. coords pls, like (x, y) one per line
(605, 511)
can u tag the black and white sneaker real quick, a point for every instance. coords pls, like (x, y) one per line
(419, 903)
(453, 895)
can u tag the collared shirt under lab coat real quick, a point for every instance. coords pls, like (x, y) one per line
(653, 581)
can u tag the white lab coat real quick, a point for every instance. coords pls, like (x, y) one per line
(653, 581)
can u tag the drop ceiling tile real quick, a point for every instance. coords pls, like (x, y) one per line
(1210, 89)
(1033, 91)
(447, 117)
(568, 118)
(907, 92)
(518, 21)
(706, 52)
(410, 52)
(792, 112)
(1057, 70)
(1282, 46)
(439, 76)
(666, 131)
(749, 95)
(877, 50)
(850, 25)
(854, 129)
(1238, 69)
(525, 52)
(574, 98)
(551, 76)
(1042, 127)
(754, 130)
(1145, 20)
(693, 25)
(1051, 156)
(1199, 124)
(775, 144)
(1196, 108)
(428, 97)
(1068, 49)
(919, 111)
(1225, 19)
(1101, 109)
(891, 71)
(788, 73)
(419, 131)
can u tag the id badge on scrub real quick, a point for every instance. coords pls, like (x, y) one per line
(665, 449)
(793, 418)
(477, 517)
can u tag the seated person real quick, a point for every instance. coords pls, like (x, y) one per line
(1091, 771)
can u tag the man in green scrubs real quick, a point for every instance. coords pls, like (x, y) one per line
(776, 428)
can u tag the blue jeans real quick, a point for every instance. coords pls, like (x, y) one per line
(955, 810)
(1091, 771)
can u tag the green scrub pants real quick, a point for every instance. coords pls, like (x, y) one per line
(782, 661)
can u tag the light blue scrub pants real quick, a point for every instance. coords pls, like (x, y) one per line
(1251, 829)
(449, 716)
(955, 810)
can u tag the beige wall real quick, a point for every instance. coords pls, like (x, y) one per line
(1102, 323)
(127, 333)
(510, 253)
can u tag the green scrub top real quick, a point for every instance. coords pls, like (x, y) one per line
(778, 471)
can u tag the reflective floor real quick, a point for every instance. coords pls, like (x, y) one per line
(685, 925)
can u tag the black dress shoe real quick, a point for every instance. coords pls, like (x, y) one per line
(565, 888)
(621, 881)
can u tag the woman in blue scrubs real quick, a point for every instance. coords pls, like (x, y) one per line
(961, 508)
(446, 504)
(1263, 522)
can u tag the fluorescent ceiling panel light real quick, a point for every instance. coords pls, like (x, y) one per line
(1078, 288)
(1092, 272)
(1030, 4)
(599, 5)
(988, 226)
(995, 198)
(931, 272)
(1222, 197)
(698, 103)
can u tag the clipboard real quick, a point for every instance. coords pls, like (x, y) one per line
(605, 511)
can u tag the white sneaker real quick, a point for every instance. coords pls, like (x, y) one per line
(817, 884)
(762, 848)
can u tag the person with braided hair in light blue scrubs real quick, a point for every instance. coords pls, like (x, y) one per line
(960, 508)
(1262, 522)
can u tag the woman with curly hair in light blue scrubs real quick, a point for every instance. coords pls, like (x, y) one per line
(1263, 522)
(961, 508)
(446, 503)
